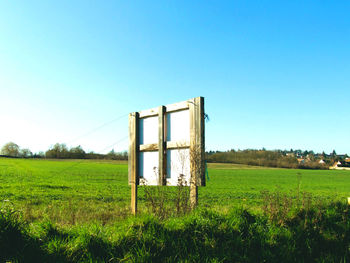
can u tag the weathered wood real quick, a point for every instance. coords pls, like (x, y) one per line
(161, 146)
(200, 138)
(177, 145)
(148, 113)
(133, 158)
(197, 165)
(193, 195)
(183, 105)
(149, 147)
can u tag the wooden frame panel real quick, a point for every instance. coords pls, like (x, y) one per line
(195, 108)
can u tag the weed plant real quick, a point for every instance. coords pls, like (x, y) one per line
(165, 201)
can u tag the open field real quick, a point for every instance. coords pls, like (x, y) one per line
(80, 191)
(78, 211)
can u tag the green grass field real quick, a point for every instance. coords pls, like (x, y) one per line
(80, 191)
(78, 211)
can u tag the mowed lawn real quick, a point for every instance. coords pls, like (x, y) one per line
(81, 191)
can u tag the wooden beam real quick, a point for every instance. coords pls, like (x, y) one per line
(161, 146)
(183, 105)
(149, 147)
(200, 138)
(148, 113)
(177, 145)
(133, 158)
(197, 165)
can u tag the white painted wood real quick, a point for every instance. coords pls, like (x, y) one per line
(148, 130)
(178, 126)
(178, 163)
(148, 168)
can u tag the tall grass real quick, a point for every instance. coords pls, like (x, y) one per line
(317, 234)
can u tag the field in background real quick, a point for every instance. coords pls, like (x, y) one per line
(78, 211)
(82, 191)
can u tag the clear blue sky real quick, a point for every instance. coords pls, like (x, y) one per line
(274, 74)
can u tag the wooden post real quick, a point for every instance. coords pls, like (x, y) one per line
(200, 138)
(197, 165)
(161, 146)
(133, 157)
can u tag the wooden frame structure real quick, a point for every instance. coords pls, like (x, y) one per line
(196, 146)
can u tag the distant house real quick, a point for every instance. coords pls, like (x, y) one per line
(334, 166)
(301, 160)
(321, 161)
(340, 166)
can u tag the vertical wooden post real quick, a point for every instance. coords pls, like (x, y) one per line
(196, 148)
(200, 138)
(133, 157)
(161, 146)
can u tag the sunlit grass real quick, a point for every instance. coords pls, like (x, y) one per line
(71, 192)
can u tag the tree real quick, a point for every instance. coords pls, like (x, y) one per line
(25, 153)
(39, 155)
(10, 149)
(112, 155)
(77, 152)
(334, 153)
(59, 151)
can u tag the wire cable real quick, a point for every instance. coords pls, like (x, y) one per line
(81, 161)
(98, 128)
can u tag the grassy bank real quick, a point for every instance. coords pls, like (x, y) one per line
(318, 234)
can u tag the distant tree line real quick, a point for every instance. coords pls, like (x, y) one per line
(13, 150)
(59, 151)
(277, 158)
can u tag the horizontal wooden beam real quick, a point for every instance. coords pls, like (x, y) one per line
(148, 113)
(169, 145)
(149, 147)
(183, 105)
(177, 145)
